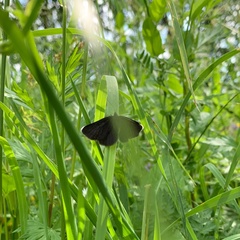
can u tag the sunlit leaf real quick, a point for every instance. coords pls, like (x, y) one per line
(157, 9)
(152, 38)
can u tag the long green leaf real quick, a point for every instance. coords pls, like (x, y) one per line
(109, 103)
(21, 197)
(27, 50)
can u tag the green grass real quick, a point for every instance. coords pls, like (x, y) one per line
(177, 180)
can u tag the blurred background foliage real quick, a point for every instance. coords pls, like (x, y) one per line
(143, 36)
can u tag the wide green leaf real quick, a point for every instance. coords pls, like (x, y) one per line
(152, 37)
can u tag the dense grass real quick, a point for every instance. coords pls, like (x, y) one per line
(177, 180)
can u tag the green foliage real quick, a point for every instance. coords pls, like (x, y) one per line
(36, 230)
(172, 65)
(157, 9)
(152, 37)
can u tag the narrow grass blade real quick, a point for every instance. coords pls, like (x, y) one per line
(22, 203)
(107, 100)
(28, 52)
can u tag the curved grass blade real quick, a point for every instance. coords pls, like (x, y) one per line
(23, 208)
(25, 46)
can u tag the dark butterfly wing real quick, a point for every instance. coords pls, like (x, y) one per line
(127, 128)
(102, 131)
(107, 130)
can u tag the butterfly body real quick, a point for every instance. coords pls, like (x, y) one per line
(109, 129)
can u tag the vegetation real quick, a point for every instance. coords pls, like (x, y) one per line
(171, 65)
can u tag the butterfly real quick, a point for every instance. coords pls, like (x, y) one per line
(109, 129)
